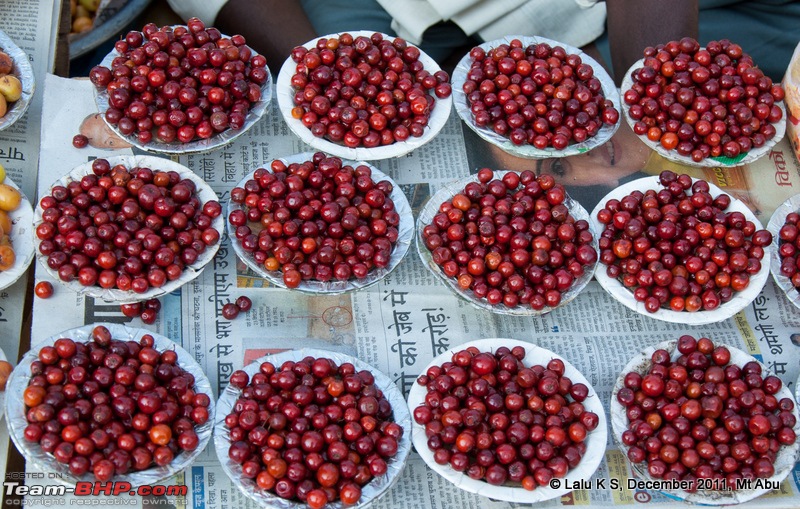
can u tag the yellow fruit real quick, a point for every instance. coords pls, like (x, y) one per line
(81, 24)
(90, 5)
(5, 222)
(9, 198)
(11, 88)
(7, 257)
(5, 371)
(6, 64)
(3, 106)
(2, 174)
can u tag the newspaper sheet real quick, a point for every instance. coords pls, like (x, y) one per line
(400, 324)
(32, 25)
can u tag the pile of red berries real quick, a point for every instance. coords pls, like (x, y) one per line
(183, 83)
(110, 406)
(132, 229)
(319, 219)
(678, 249)
(311, 430)
(511, 240)
(364, 91)
(703, 102)
(537, 95)
(700, 416)
(493, 418)
(789, 249)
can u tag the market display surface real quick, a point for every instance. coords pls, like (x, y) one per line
(300, 330)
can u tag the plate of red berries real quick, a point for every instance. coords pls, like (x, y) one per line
(511, 243)
(536, 98)
(312, 428)
(127, 228)
(530, 426)
(679, 249)
(708, 415)
(320, 224)
(703, 106)
(109, 402)
(181, 89)
(785, 228)
(363, 95)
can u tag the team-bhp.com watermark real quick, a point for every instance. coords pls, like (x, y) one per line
(86, 492)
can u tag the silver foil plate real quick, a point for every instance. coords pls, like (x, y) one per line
(774, 226)
(640, 363)
(24, 72)
(21, 237)
(190, 272)
(405, 234)
(33, 453)
(447, 193)
(526, 150)
(371, 491)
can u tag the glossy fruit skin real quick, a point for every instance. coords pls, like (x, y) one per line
(679, 248)
(703, 102)
(364, 91)
(513, 422)
(43, 289)
(180, 88)
(111, 406)
(230, 311)
(318, 426)
(511, 241)
(244, 303)
(706, 426)
(80, 141)
(536, 95)
(316, 220)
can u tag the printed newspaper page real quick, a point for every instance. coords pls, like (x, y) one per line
(32, 25)
(401, 323)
